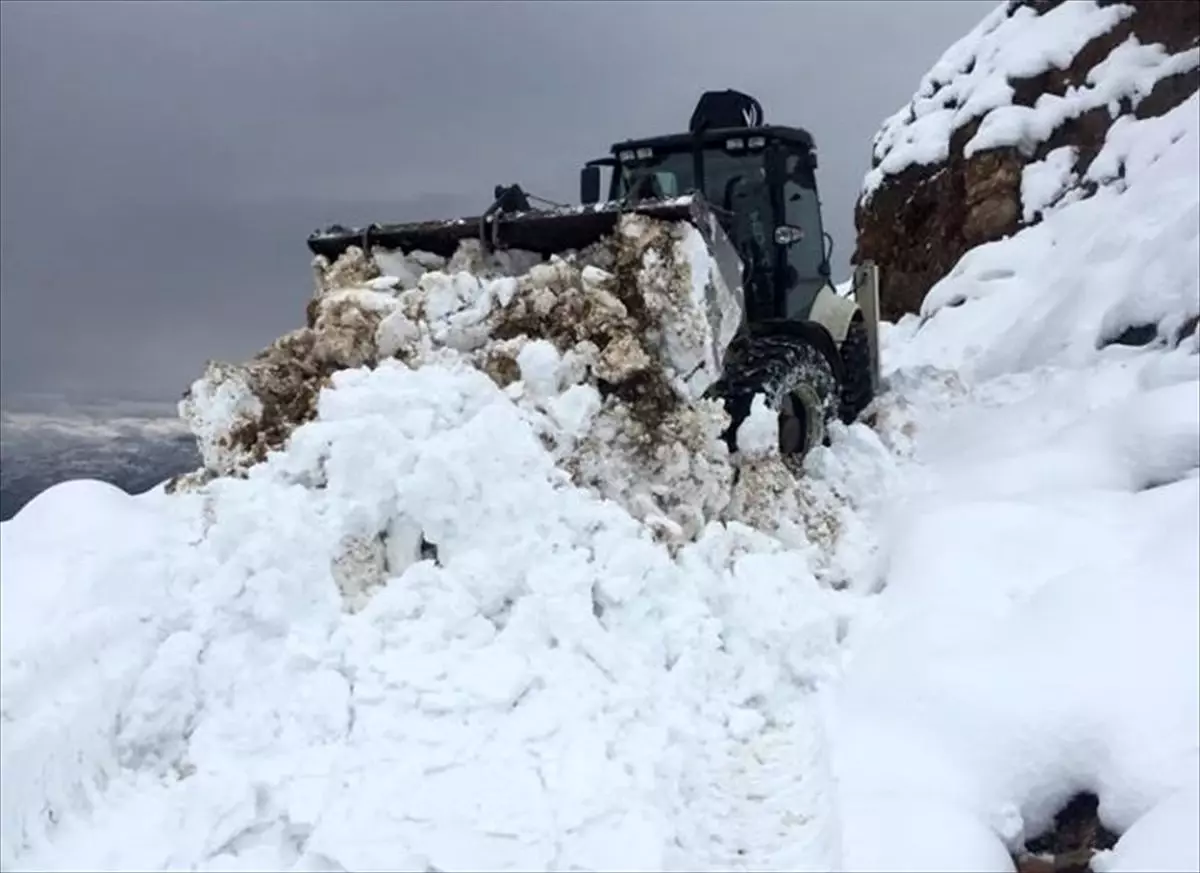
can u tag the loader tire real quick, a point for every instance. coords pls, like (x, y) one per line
(857, 390)
(796, 380)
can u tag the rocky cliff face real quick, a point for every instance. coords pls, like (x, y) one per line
(1011, 123)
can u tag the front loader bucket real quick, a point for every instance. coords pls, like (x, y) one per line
(702, 257)
(544, 231)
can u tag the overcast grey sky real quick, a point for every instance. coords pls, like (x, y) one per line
(162, 163)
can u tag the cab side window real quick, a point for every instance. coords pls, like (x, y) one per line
(802, 210)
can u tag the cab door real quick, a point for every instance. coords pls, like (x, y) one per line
(738, 185)
(803, 269)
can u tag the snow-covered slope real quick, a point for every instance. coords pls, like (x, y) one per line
(1039, 633)
(433, 629)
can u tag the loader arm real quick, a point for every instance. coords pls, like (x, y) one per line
(544, 231)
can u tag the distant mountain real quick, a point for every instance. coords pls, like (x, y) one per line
(133, 446)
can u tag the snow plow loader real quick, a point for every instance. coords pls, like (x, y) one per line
(750, 190)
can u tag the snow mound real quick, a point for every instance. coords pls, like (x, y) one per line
(607, 352)
(525, 678)
(462, 585)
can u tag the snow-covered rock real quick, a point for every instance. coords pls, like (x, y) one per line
(1024, 115)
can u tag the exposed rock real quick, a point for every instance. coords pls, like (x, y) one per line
(992, 193)
(962, 165)
(1069, 846)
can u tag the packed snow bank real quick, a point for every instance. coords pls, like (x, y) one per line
(1038, 633)
(1037, 638)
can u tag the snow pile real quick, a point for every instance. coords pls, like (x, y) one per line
(533, 682)
(973, 80)
(460, 589)
(606, 351)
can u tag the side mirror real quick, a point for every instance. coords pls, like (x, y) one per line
(828, 247)
(589, 185)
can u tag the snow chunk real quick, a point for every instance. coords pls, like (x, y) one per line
(759, 433)
(539, 362)
(1044, 182)
(220, 404)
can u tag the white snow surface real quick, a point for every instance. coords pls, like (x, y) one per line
(1045, 182)
(972, 80)
(1164, 840)
(963, 614)
(759, 433)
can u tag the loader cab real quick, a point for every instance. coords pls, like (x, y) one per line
(760, 182)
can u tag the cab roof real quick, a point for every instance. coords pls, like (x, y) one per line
(671, 142)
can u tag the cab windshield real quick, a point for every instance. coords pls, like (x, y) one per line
(673, 175)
